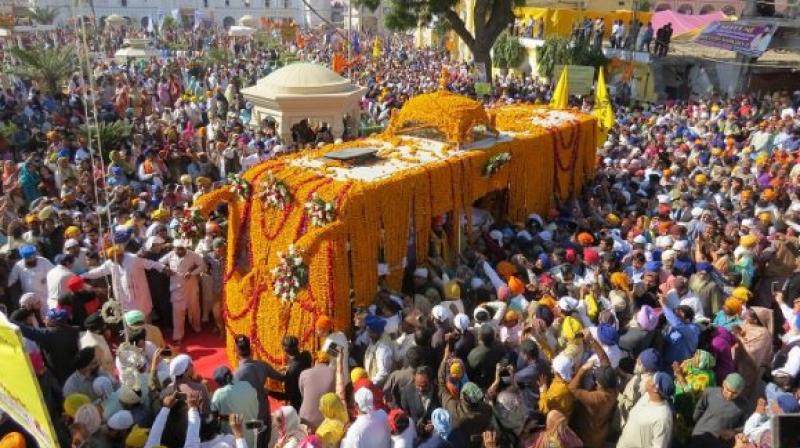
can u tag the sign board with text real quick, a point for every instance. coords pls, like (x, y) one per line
(580, 78)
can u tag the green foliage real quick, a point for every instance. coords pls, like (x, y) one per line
(507, 51)
(265, 41)
(43, 15)
(169, 23)
(48, 66)
(180, 45)
(108, 136)
(216, 56)
(560, 51)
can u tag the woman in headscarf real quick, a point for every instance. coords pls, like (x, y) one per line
(456, 376)
(692, 377)
(557, 433)
(756, 335)
(10, 179)
(287, 423)
(443, 435)
(29, 179)
(335, 417)
(722, 342)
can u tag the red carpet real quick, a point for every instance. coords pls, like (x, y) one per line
(208, 352)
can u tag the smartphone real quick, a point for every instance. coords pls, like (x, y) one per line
(254, 425)
(775, 287)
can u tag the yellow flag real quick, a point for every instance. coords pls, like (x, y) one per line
(602, 109)
(561, 94)
(376, 48)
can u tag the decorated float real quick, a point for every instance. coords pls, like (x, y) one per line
(306, 231)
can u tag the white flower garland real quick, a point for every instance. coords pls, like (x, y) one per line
(289, 276)
(275, 193)
(320, 211)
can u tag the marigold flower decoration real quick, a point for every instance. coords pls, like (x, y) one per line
(275, 193)
(319, 211)
(496, 162)
(239, 186)
(290, 275)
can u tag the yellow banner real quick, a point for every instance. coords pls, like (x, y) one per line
(560, 21)
(20, 396)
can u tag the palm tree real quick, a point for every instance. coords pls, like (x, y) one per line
(43, 15)
(108, 136)
(48, 66)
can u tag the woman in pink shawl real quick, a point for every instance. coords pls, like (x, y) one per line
(721, 344)
(556, 433)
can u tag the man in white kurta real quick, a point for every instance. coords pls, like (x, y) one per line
(128, 279)
(31, 273)
(184, 287)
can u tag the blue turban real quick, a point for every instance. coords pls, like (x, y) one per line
(545, 259)
(544, 313)
(607, 334)
(441, 422)
(508, 233)
(375, 323)
(63, 153)
(27, 251)
(122, 236)
(116, 170)
(652, 266)
(684, 267)
(649, 359)
(704, 266)
(58, 315)
(787, 403)
(665, 385)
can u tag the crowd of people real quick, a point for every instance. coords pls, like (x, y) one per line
(658, 308)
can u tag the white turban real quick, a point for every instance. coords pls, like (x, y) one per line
(497, 236)
(121, 421)
(568, 303)
(363, 399)
(441, 313)
(89, 416)
(681, 245)
(28, 299)
(664, 242)
(461, 322)
(668, 254)
(421, 272)
(562, 365)
(155, 239)
(179, 365)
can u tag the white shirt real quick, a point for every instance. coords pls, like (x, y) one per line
(690, 300)
(378, 361)
(369, 431)
(32, 279)
(57, 284)
(792, 366)
(649, 425)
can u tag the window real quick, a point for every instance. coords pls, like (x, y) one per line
(287, 4)
(267, 3)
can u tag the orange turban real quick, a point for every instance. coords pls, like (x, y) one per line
(506, 269)
(515, 285)
(13, 440)
(733, 305)
(324, 323)
(586, 239)
(746, 194)
(769, 195)
(511, 315)
(620, 280)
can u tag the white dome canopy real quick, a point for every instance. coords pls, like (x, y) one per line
(304, 78)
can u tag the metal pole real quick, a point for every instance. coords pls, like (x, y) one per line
(349, 38)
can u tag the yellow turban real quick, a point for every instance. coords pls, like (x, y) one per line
(548, 301)
(456, 370)
(323, 356)
(741, 293)
(620, 280)
(202, 180)
(716, 152)
(31, 218)
(746, 194)
(700, 179)
(570, 328)
(159, 214)
(733, 305)
(357, 374)
(765, 217)
(186, 179)
(72, 232)
(73, 402)
(113, 252)
(748, 240)
(452, 291)
(612, 219)
(136, 438)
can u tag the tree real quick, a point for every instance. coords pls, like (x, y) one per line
(562, 51)
(491, 18)
(507, 51)
(107, 136)
(169, 23)
(43, 15)
(50, 67)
